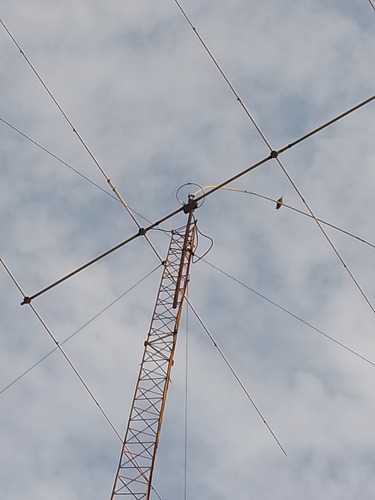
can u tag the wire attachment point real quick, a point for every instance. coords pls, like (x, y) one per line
(26, 300)
(191, 205)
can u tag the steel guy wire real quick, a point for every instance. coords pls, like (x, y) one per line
(63, 162)
(275, 304)
(67, 119)
(262, 135)
(221, 71)
(143, 231)
(66, 357)
(295, 316)
(108, 180)
(294, 209)
(246, 110)
(238, 380)
(25, 136)
(273, 154)
(330, 242)
(80, 138)
(76, 331)
(205, 187)
(56, 157)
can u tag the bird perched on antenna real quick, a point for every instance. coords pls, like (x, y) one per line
(279, 203)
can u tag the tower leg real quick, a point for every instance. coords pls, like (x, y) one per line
(134, 474)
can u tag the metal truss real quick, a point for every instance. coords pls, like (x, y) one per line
(134, 475)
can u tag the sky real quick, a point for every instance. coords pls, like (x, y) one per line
(283, 300)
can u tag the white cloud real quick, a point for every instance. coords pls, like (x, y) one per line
(155, 112)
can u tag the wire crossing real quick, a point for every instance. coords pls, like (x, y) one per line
(66, 357)
(80, 138)
(143, 431)
(184, 208)
(290, 207)
(102, 311)
(143, 231)
(275, 154)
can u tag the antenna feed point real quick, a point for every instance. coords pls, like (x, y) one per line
(191, 205)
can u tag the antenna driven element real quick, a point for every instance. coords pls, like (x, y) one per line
(135, 470)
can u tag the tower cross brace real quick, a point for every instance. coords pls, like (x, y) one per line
(134, 475)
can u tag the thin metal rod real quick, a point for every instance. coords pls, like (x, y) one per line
(67, 359)
(182, 262)
(235, 177)
(238, 380)
(27, 300)
(325, 125)
(143, 231)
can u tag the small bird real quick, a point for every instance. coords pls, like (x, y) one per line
(279, 202)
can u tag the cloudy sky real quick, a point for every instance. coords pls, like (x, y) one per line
(142, 92)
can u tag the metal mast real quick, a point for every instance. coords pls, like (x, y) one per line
(135, 470)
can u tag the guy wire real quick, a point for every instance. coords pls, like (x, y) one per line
(293, 315)
(80, 138)
(238, 380)
(275, 154)
(67, 359)
(76, 331)
(143, 231)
